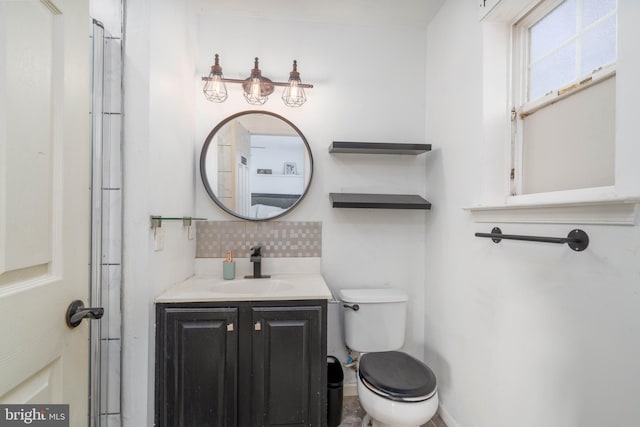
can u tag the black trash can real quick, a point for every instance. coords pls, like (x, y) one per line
(335, 378)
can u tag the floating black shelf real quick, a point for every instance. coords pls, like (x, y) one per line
(378, 148)
(378, 201)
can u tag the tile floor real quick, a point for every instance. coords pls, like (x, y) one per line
(352, 414)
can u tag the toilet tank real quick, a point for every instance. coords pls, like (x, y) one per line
(379, 322)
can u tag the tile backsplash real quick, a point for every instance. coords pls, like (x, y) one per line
(279, 239)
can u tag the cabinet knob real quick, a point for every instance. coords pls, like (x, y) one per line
(257, 326)
(230, 327)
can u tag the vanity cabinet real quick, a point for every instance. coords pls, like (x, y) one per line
(241, 364)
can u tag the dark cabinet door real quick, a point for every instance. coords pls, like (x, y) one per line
(288, 366)
(197, 364)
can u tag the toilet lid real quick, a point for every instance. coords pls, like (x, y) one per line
(397, 376)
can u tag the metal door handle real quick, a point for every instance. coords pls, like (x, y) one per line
(77, 311)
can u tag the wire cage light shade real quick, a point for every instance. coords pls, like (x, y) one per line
(293, 95)
(256, 88)
(214, 89)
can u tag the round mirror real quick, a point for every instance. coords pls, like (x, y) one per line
(256, 165)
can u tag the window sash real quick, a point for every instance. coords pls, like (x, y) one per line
(521, 63)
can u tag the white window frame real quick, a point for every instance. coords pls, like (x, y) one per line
(615, 204)
(521, 105)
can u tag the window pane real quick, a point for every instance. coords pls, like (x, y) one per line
(553, 72)
(592, 10)
(552, 30)
(599, 46)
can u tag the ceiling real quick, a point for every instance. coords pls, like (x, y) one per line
(354, 12)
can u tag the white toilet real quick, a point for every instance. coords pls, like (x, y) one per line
(395, 389)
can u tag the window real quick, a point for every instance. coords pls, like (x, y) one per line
(563, 96)
(584, 170)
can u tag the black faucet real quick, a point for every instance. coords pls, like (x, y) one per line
(256, 258)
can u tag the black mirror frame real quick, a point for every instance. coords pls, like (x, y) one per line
(210, 191)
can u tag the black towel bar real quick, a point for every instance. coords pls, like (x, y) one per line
(576, 239)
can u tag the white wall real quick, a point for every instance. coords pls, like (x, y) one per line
(368, 86)
(159, 178)
(522, 334)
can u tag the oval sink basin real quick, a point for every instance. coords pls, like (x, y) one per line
(251, 286)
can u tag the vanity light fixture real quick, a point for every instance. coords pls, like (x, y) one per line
(256, 88)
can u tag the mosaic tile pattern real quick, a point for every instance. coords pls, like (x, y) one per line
(281, 239)
(352, 414)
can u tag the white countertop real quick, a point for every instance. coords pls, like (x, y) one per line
(288, 286)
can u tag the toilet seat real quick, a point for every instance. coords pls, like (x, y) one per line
(397, 376)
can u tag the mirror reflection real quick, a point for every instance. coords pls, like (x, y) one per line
(256, 165)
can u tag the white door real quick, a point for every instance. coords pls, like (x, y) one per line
(44, 201)
(243, 194)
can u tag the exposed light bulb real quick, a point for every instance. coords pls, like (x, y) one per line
(214, 89)
(257, 88)
(254, 94)
(293, 95)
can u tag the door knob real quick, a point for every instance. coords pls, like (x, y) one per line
(77, 311)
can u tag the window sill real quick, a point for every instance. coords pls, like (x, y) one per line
(592, 206)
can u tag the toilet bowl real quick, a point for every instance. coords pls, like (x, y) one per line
(394, 388)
